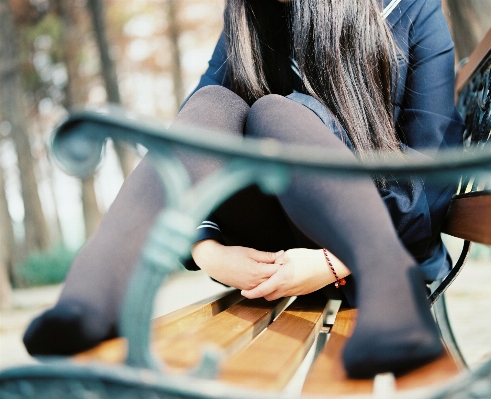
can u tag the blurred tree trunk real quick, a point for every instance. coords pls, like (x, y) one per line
(109, 74)
(7, 248)
(5, 288)
(173, 34)
(76, 94)
(470, 20)
(13, 111)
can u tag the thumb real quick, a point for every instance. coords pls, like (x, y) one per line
(265, 288)
(265, 257)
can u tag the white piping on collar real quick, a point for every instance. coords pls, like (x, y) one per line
(390, 7)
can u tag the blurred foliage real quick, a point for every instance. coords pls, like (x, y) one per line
(41, 57)
(480, 252)
(44, 268)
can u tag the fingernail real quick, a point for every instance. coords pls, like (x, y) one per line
(279, 253)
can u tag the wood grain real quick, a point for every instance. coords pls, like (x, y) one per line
(469, 218)
(482, 50)
(272, 358)
(114, 351)
(110, 352)
(229, 331)
(327, 375)
(190, 316)
(435, 373)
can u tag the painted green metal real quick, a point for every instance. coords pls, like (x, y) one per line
(62, 379)
(78, 146)
(267, 164)
(96, 127)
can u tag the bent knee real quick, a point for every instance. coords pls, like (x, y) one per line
(289, 121)
(215, 108)
(270, 115)
(270, 102)
(265, 115)
(217, 96)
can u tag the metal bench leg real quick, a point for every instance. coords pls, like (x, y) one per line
(443, 322)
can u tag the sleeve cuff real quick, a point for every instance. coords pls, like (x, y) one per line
(207, 230)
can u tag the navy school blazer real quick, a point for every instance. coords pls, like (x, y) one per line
(425, 117)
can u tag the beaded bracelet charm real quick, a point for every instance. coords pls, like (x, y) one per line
(339, 281)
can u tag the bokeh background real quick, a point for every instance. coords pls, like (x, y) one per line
(147, 55)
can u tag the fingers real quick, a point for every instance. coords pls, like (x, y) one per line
(273, 296)
(262, 290)
(264, 257)
(266, 270)
(281, 258)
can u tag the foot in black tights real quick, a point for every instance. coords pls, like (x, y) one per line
(90, 303)
(66, 329)
(397, 336)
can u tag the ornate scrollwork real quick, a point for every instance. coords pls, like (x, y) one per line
(475, 107)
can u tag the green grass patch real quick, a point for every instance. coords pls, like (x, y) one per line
(45, 268)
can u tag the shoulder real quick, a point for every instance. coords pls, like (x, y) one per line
(408, 11)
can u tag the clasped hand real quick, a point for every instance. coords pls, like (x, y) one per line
(270, 275)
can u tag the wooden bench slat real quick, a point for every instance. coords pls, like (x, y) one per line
(469, 218)
(189, 316)
(114, 351)
(434, 373)
(273, 357)
(230, 331)
(327, 375)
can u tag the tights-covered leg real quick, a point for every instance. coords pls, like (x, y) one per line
(87, 310)
(395, 329)
(346, 216)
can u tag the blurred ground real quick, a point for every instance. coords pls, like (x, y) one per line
(181, 290)
(468, 299)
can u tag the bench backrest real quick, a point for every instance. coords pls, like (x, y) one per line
(469, 215)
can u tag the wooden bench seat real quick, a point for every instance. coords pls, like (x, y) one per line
(260, 345)
(469, 217)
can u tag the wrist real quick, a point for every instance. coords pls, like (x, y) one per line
(206, 252)
(337, 268)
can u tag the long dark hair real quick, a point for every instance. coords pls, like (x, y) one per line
(344, 51)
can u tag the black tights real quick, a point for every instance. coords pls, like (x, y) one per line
(394, 330)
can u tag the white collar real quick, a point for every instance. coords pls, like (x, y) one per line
(390, 7)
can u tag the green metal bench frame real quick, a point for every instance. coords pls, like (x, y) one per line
(78, 146)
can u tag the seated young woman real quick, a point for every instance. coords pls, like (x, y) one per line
(353, 76)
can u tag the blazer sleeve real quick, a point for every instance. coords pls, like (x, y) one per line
(207, 230)
(428, 119)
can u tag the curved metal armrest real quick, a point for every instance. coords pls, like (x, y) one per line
(79, 140)
(78, 145)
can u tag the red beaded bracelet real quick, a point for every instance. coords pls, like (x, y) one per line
(339, 281)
